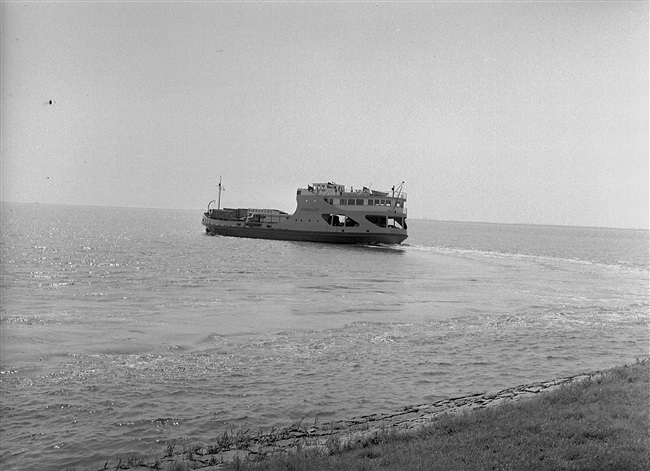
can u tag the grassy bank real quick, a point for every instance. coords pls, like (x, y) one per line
(597, 422)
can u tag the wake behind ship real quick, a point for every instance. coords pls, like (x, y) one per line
(326, 212)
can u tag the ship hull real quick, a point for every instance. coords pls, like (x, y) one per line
(306, 236)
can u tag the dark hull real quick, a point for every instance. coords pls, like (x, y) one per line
(306, 236)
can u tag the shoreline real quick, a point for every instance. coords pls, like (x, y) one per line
(334, 436)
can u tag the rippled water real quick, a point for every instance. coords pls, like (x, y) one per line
(123, 329)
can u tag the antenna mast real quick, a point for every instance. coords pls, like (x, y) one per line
(399, 193)
(219, 199)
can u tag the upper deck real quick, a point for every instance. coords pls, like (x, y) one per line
(364, 199)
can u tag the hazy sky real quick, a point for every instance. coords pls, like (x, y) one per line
(498, 112)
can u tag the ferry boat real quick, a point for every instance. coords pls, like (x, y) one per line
(326, 212)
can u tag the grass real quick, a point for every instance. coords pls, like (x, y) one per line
(602, 423)
(597, 424)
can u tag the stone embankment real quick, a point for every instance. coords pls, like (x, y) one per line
(337, 435)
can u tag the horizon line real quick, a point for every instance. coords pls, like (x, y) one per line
(424, 218)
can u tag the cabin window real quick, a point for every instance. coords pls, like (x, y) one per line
(359, 202)
(351, 202)
(343, 201)
(377, 220)
(397, 222)
(339, 220)
(371, 202)
(349, 222)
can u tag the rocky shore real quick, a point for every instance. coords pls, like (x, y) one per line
(337, 435)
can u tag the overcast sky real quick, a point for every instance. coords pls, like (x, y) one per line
(497, 112)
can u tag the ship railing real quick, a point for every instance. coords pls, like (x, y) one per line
(375, 194)
(402, 196)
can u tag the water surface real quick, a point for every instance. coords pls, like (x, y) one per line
(123, 329)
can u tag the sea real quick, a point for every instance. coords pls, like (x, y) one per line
(124, 330)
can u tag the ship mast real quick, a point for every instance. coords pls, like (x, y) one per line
(219, 199)
(399, 193)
